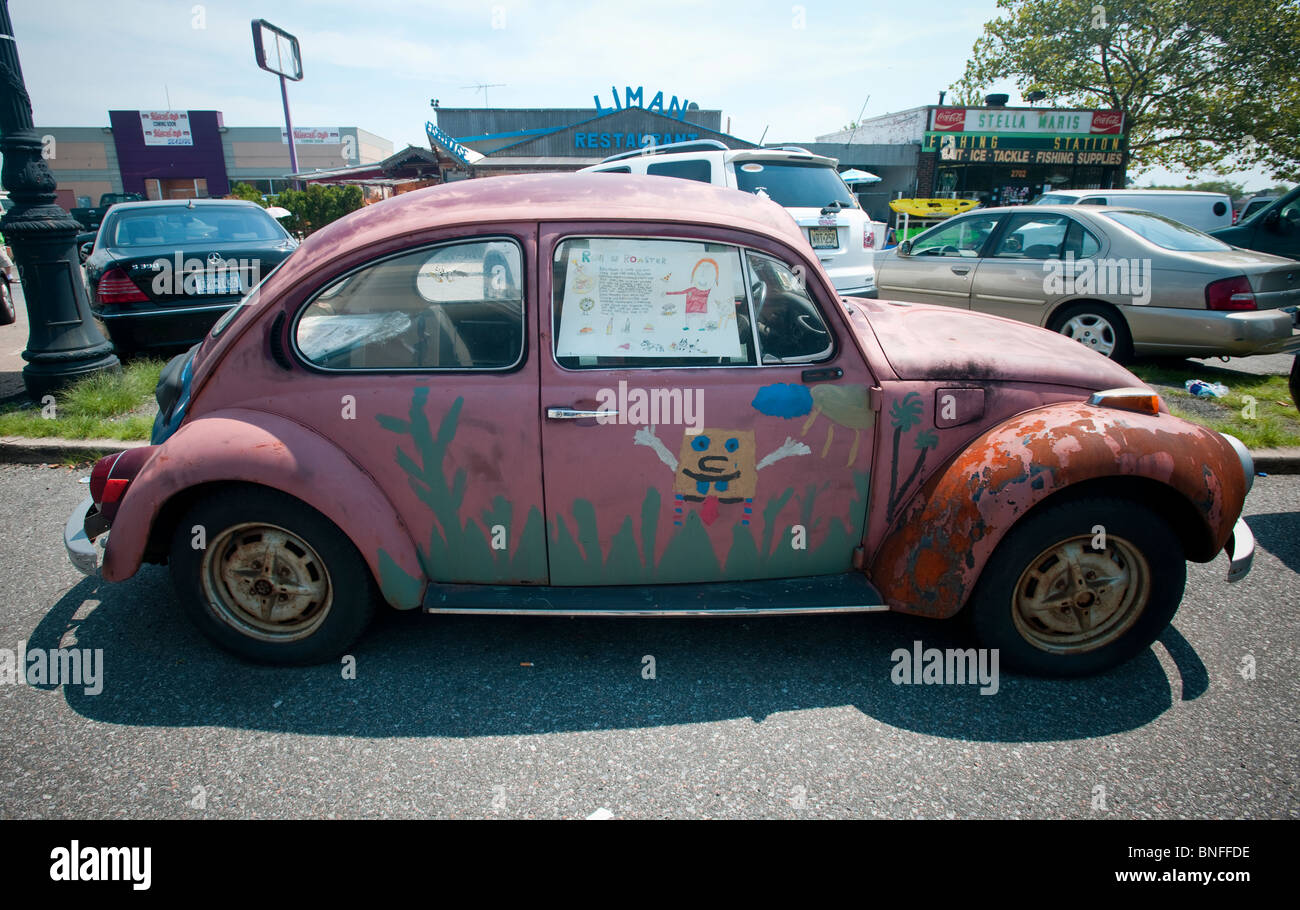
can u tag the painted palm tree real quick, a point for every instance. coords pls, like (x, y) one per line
(903, 415)
(925, 440)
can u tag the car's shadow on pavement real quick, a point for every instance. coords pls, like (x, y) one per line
(419, 675)
(1279, 534)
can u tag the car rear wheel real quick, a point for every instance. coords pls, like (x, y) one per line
(8, 311)
(1098, 328)
(269, 578)
(1080, 587)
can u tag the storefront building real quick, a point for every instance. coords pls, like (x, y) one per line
(999, 155)
(193, 154)
(486, 141)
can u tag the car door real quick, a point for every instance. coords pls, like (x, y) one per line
(427, 380)
(941, 263)
(683, 439)
(1024, 269)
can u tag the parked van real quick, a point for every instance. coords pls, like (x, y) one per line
(1203, 211)
(806, 185)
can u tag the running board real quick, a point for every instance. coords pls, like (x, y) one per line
(848, 593)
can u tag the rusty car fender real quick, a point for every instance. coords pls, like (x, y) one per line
(933, 554)
(245, 446)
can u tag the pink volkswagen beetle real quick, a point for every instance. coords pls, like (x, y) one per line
(605, 395)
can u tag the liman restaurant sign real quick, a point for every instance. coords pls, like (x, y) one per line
(1026, 121)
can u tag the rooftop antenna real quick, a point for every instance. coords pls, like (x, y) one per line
(483, 87)
(764, 136)
(859, 120)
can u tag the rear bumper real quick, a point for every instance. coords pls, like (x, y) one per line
(1171, 330)
(1240, 550)
(79, 544)
(162, 327)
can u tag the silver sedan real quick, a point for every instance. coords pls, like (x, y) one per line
(1117, 280)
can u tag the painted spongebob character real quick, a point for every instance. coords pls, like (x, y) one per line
(717, 466)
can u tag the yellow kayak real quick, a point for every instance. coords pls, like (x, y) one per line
(932, 208)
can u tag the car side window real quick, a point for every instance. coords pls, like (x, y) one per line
(1093, 200)
(457, 306)
(691, 169)
(1080, 242)
(632, 302)
(963, 237)
(790, 327)
(1033, 237)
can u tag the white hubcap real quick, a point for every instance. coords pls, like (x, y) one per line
(1091, 331)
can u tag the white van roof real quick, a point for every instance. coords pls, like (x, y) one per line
(1135, 192)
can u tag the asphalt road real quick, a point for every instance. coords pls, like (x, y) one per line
(532, 717)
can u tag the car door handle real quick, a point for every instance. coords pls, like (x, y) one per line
(964, 270)
(821, 375)
(576, 414)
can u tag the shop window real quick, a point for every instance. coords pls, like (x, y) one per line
(452, 307)
(632, 303)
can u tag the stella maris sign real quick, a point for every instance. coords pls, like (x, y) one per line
(636, 98)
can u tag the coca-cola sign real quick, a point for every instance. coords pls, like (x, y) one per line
(950, 118)
(1107, 121)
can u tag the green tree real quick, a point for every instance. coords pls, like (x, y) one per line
(1203, 84)
(1227, 187)
(248, 192)
(318, 205)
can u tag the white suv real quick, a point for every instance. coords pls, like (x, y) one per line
(806, 185)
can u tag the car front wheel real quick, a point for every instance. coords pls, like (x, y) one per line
(1080, 587)
(269, 578)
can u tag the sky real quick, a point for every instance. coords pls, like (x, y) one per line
(796, 70)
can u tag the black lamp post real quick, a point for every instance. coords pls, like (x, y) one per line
(63, 343)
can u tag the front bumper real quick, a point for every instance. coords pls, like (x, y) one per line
(84, 522)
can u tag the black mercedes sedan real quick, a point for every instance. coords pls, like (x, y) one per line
(162, 272)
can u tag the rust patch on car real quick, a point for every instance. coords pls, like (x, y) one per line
(941, 540)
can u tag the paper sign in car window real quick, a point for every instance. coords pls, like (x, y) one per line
(649, 299)
(452, 274)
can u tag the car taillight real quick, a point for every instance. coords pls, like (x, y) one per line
(112, 475)
(868, 237)
(115, 287)
(1230, 294)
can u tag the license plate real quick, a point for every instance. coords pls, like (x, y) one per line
(221, 283)
(824, 238)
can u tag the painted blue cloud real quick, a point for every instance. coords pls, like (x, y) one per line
(783, 399)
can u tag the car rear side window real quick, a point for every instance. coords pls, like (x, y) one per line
(1165, 232)
(456, 306)
(691, 169)
(630, 302)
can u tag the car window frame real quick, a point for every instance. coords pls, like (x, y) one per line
(982, 252)
(524, 275)
(546, 315)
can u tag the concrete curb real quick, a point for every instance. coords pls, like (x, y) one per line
(20, 450)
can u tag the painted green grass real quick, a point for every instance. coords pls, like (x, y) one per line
(1275, 423)
(102, 406)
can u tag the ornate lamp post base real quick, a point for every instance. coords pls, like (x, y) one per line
(64, 343)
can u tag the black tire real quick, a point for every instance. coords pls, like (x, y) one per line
(8, 310)
(333, 615)
(1116, 331)
(1030, 645)
(1294, 381)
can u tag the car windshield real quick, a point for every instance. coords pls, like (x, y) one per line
(794, 184)
(181, 225)
(1053, 199)
(1167, 233)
